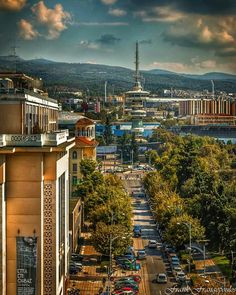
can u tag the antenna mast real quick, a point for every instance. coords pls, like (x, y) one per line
(14, 57)
(137, 74)
(213, 89)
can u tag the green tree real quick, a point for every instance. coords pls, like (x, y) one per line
(104, 233)
(177, 232)
(108, 132)
(87, 167)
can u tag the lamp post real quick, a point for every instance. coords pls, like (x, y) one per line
(189, 225)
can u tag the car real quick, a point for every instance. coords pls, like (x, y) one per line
(141, 254)
(174, 259)
(119, 286)
(75, 263)
(180, 276)
(73, 270)
(136, 278)
(76, 257)
(161, 278)
(152, 244)
(176, 269)
(126, 280)
(174, 264)
(137, 231)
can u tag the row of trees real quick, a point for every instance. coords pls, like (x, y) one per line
(107, 208)
(170, 211)
(201, 172)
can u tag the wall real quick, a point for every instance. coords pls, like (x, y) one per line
(10, 119)
(23, 207)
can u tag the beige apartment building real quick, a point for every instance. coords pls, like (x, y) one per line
(34, 192)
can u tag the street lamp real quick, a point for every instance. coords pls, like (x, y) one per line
(189, 225)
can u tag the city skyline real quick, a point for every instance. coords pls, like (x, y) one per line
(180, 36)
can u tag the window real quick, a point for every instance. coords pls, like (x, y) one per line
(74, 155)
(74, 180)
(74, 168)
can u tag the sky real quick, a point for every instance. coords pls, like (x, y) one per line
(186, 36)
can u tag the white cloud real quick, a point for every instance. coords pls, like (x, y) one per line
(14, 5)
(27, 31)
(89, 44)
(117, 12)
(53, 19)
(194, 65)
(108, 2)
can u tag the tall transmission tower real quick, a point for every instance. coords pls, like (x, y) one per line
(14, 54)
(213, 89)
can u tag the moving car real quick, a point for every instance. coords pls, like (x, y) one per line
(176, 269)
(152, 244)
(161, 278)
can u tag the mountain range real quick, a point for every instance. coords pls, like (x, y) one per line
(91, 77)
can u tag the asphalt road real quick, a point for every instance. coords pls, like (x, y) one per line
(154, 263)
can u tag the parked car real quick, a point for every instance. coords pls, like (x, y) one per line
(141, 254)
(137, 278)
(121, 285)
(76, 257)
(180, 276)
(137, 231)
(73, 270)
(161, 278)
(152, 244)
(176, 269)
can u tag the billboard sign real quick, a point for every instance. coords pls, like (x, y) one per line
(26, 251)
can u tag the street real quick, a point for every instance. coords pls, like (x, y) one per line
(154, 262)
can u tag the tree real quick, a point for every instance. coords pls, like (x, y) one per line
(104, 233)
(87, 167)
(177, 232)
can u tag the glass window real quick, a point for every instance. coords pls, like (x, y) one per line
(74, 167)
(74, 155)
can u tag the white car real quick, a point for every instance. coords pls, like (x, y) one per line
(176, 269)
(162, 278)
(180, 276)
(152, 244)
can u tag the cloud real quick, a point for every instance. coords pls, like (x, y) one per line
(203, 7)
(101, 24)
(108, 39)
(14, 5)
(194, 65)
(160, 14)
(89, 44)
(209, 32)
(108, 2)
(27, 31)
(53, 19)
(117, 12)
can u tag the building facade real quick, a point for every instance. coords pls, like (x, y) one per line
(85, 148)
(34, 195)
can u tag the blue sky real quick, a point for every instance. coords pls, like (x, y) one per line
(191, 36)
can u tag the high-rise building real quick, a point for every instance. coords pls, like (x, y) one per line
(34, 191)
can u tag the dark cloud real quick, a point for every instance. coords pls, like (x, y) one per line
(146, 42)
(209, 7)
(108, 39)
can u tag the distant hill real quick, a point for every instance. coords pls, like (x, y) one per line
(91, 77)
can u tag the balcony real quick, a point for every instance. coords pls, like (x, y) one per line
(34, 140)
